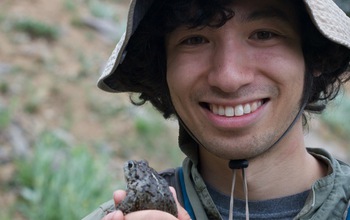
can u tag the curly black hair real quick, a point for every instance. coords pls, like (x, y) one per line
(144, 69)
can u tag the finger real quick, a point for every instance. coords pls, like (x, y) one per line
(108, 217)
(117, 215)
(182, 213)
(118, 196)
(149, 214)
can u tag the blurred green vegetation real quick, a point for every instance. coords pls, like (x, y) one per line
(48, 71)
(37, 29)
(60, 180)
(5, 117)
(337, 117)
(154, 139)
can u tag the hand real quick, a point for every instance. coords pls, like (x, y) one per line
(119, 195)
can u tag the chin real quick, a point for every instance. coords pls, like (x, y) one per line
(229, 155)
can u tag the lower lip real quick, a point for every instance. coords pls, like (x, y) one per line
(237, 122)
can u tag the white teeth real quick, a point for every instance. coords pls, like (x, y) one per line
(253, 106)
(247, 109)
(214, 108)
(221, 110)
(229, 111)
(239, 110)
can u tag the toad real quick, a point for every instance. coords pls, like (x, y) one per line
(146, 189)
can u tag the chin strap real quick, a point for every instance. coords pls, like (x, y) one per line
(243, 164)
(235, 165)
(300, 112)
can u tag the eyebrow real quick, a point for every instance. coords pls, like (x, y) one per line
(265, 13)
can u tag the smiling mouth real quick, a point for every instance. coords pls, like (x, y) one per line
(232, 111)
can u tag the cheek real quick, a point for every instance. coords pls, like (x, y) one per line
(184, 72)
(184, 78)
(285, 66)
(293, 70)
(173, 79)
(176, 80)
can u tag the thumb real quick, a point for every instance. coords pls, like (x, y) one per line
(118, 196)
(182, 213)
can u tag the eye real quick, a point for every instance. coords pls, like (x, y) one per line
(263, 35)
(194, 40)
(130, 164)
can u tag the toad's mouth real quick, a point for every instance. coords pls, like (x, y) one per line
(234, 111)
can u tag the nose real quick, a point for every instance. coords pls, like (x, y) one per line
(231, 67)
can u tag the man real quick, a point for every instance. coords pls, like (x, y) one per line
(240, 77)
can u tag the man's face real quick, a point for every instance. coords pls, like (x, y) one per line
(238, 87)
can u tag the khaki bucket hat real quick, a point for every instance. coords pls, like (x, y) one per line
(330, 20)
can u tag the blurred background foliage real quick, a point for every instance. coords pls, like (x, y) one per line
(62, 141)
(344, 4)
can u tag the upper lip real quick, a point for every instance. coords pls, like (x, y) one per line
(232, 103)
(236, 110)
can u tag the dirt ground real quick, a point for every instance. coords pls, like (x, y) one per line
(50, 84)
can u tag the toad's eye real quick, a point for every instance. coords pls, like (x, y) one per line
(194, 40)
(263, 35)
(130, 165)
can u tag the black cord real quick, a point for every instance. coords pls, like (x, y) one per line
(238, 164)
